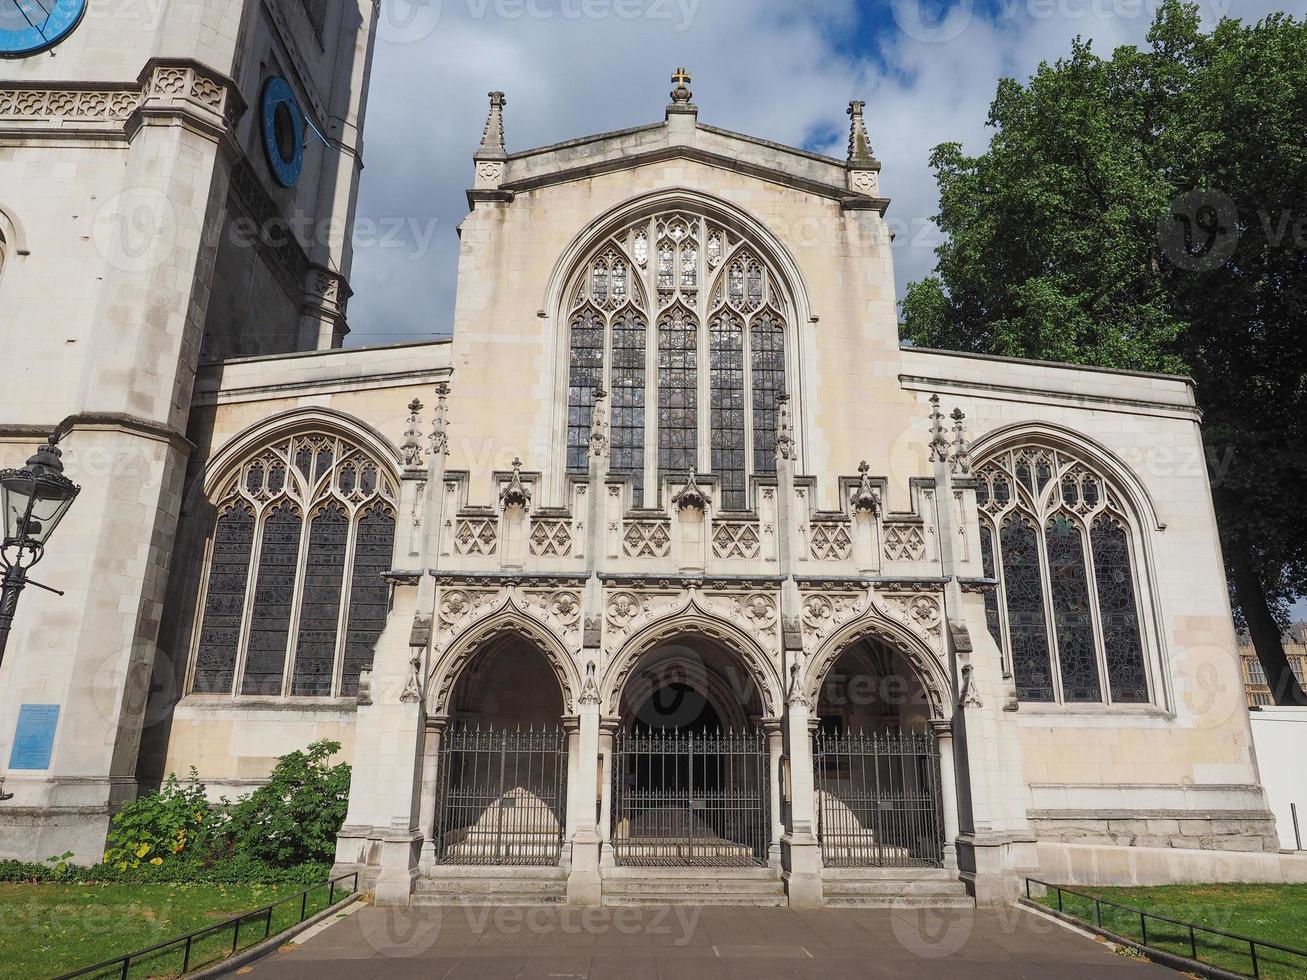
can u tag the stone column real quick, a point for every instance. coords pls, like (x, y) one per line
(607, 746)
(430, 789)
(775, 729)
(583, 883)
(800, 851)
(572, 726)
(948, 789)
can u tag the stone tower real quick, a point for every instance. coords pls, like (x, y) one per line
(177, 184)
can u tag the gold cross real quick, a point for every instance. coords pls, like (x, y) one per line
(681, 77)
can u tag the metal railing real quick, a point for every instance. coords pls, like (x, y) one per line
(503, 796)
(1188, 931)
(200, 948)
(878, 800)
(685, 799)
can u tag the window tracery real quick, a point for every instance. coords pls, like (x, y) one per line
(293, 598)
(680, 302)
(1057, 536)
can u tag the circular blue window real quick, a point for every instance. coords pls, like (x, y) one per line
(283, 130)
(29, 26)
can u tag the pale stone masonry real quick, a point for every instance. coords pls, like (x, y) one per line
(674, 447)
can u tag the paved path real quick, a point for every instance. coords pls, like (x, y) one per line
(694, 943)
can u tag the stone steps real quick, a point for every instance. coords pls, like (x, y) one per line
(894, 888)
(490, 885)
(758, 887)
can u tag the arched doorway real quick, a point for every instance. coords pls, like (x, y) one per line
(876, 763)
(690, 762)
(502, 769)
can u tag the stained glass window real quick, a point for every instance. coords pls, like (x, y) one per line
(1069, 589)
(988, 570)
(1097, 632)
(767, 361)
(1027, 626)
(324, 581)
(627, 426)
(368, 592)
(1126, 674)
(726, 418)
(678, 394)
(585, 374)
(274, 595)
(300, 570)
(224, 600)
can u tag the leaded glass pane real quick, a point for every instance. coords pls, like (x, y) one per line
(666, 261)
(274, 592)
(1126, 676)
(627, 426)
(677, 394)
(689, 266)
(585, 374)
(224, 600)
(735, 284)
(369, 595)
(640, 247)
(1027, 626)
(324, 578)
(1072, 623)
(599, 282)
(755, 285)
(618, 274)
(767, 357)
(726, 417)
(991, 595)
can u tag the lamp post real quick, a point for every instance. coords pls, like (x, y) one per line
(34, 500)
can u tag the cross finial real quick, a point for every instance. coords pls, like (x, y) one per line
(681, 95)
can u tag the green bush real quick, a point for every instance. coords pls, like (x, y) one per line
(294, 817)
(174, 823)
(237, 870)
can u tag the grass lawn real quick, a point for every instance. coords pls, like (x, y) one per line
(46, 930)
(1274, 913)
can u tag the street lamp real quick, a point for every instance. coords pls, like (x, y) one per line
(34, 500)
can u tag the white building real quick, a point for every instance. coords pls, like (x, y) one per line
(667, 575)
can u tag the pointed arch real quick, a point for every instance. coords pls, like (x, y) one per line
(873, 624)
(692, 618)
(506, 618)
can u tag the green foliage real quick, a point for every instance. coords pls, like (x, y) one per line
(174, 823)
(235, 870)
(1147, 211)
(294, 817)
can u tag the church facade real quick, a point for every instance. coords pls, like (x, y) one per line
(672, 572)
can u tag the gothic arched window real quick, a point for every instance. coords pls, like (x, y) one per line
(688, 304)
(1056, 535)
(294, 599)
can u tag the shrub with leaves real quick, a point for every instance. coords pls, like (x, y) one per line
(173, 823)
(294, 817)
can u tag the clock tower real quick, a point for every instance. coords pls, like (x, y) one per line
(177, 185)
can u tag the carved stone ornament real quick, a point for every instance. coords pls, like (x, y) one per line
(691, 495)
(785, 445)
(412, 692)
(939, 447)
(411, 450)
(961, 446)
(599, 425)
(865, 497)
(420, 634)
(590, 687)
(365, 687)
(970, 690)
(440, 423)
(515, 494)
(797, 697)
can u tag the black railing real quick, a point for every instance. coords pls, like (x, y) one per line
(503, 796)
(878, 800)
(691, 799)
(209, 945)
(1180, 934)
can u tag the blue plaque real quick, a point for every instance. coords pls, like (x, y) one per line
(34, 737)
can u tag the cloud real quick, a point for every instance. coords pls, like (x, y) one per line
(780, 69)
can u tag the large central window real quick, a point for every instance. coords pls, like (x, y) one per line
(689, 305)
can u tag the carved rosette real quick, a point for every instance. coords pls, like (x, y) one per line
(919, 610)
(825, 612)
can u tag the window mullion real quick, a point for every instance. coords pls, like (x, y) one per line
(1050, 624)
(296, 600)
(342, 618)
(651, 486)
(746, 347)
(247, 612)
(1096, 610)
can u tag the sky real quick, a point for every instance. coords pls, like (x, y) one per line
(779, 69)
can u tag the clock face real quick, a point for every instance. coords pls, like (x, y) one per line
(282, 123)
(30, 26)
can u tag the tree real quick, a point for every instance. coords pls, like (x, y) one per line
(1146, 212)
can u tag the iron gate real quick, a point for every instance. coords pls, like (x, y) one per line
(684, 798)
(878, 802)
(503, 796)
